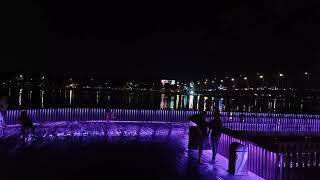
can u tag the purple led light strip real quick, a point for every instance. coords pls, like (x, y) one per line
(262, 162)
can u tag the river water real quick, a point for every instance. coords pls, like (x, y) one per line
(45, 98)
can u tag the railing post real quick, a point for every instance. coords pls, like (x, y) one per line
(280, 166)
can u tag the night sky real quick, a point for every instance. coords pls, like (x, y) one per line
(160, 39)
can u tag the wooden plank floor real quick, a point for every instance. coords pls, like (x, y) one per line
(107, 149)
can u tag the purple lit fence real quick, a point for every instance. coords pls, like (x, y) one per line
(299, 156)
(253, 122)
(284, 124)
(99, 114)
(283, 163)
(261, 162)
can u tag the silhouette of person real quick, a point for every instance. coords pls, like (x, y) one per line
(202, 126)
(26, 123)
(3, 110)
(108, 112)
(216, 128)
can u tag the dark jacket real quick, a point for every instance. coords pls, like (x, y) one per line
(25, 121)
(201, 124)
(216, 127)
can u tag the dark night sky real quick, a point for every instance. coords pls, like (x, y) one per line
(151, 40)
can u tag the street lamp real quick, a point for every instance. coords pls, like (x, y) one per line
(262, 79)
(246, 81)
(233, 82)
(307, 74)
(281, 79)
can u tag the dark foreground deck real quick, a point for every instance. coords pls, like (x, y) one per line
(107, 150)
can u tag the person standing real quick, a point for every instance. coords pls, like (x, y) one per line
(108, 112)
(3, 110)
(202, 131)
(26, 123)
(216, 128)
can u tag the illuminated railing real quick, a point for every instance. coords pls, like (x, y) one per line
(278, 163)
(261, 162)
(284, 124)
(98, 114)
(298, 158)
(287, 160)
(262, 122)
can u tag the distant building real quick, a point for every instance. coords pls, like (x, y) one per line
(170, 82)
(168, 85)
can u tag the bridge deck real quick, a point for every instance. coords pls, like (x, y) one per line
(95, 149)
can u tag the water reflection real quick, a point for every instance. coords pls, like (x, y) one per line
(205, 103)
(129, 99)
(191, 99)
(20, 97)
(30, 94)
(43, 98)
(177, 101)
(41, 95)
(172, 102)
(220, 107)
(185, 101)
(97, 98)
(71, 96)
(163, 102)
(9, 92)
(197, 102)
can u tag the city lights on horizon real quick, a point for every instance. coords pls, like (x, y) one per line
(276, 80)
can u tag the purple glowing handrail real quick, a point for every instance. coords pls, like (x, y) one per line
(262, 162)
(262, 121)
